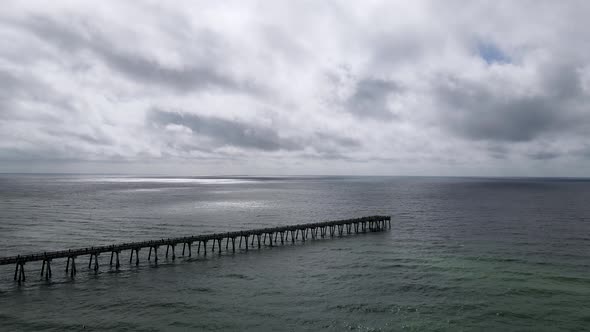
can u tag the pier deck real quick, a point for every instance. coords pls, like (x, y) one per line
(264, 236)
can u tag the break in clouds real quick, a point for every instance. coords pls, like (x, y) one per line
(296, 87)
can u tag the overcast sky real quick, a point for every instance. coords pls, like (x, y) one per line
(496, 88)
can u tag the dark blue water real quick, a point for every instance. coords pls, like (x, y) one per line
(463, 254)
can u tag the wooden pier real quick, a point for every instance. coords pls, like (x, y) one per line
(246, 239)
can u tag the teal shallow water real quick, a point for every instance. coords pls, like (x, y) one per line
(462, 255)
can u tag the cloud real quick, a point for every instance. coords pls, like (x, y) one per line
(544, 155)
(79, 37)
(211, 133)
(382, 87)
(226, 132)
(371, 99)
(478, 110)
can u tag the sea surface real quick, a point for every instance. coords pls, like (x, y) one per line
(463, 254)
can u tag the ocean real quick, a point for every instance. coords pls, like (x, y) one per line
(463, 254)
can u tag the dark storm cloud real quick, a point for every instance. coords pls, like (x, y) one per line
(477, 111)
(544, 155)
(496, 151)
(75, 37)
(370, 99)
(249, 136)
(227, 132)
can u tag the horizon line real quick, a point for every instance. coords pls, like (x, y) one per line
(152, 175)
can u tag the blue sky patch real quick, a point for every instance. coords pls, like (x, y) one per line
(491, 53)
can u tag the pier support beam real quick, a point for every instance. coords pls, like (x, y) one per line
(46, 267)
(95, 257)
(136, 250)
(116, 254)
(71, 267)
(20, 272)
(168, 247)
(155, 248)
(184, 245)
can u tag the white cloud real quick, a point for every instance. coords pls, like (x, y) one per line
(333, 87)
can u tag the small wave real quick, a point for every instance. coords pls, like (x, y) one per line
(201, 290)
(565, 279)
(362, 307)
(238, 276)
(353, 276)
(340, 249)
(496, 259)
(431, 290)
(531, 292)
(512, 314)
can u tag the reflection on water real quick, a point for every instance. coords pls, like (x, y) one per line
(124, 179)
(240, 205)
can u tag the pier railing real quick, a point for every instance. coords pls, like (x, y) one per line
(264, 236)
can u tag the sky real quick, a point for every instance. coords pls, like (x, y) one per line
(463, 88)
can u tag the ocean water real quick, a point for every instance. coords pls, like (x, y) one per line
(463, 254)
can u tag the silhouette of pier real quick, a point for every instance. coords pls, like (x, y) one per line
(246, 239)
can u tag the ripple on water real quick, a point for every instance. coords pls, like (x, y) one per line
(238, 276)
(462, 255)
